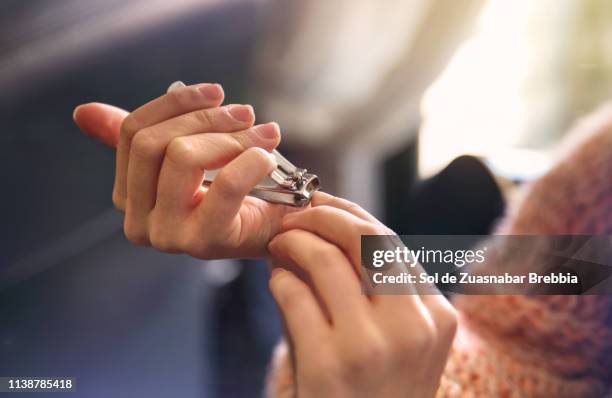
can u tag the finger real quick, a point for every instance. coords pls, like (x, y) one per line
(337, 226)
(149, 146)
(101, 122)
(406, 295)
(397, 297)
(303, 317)
(187, 157)
(345, 230)
(431, 334)
(223, 200)
(325, 199)
(444, 317)
(172, 104)
(396, 316)
(330, 272)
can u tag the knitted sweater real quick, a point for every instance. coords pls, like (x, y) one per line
(534, 346)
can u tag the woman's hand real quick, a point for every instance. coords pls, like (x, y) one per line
(163, 150)
(346, 344)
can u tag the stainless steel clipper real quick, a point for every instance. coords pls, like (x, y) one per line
(287, 184)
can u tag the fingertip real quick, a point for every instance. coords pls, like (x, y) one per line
(212, 91)
(288, 221)
(268, 131)
(320, 198)
(272, 245)
(99, 121)
(81, 111)
(251, 110)
(276, 271)
(277, 133)
(83, 114)
(271, 159)
(241, 113)
(221, 90)
(275, 128)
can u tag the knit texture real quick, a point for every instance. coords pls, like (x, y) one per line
(533, 346)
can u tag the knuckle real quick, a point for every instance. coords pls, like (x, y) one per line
(203, 118)
(360, 359)
(118, 200)
(407, 347)
(325, 371)
(318, 372)
(162, 241)
(228, 183)
(423, 338)
(203, 251)
(130, 126)
(144, 144)
(197, 245)
(134, 234)
(445, 318)
(242, 140)
(182, 150)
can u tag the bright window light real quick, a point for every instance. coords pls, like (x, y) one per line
(477, 106)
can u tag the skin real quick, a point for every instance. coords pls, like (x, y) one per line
(346, 344)
(163, 150)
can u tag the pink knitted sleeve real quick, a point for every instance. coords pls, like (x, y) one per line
(545, 346)
(537, 346)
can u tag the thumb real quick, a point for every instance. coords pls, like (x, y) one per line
(100, 121)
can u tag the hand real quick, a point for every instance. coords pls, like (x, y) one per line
(163, 150)
(344, 343)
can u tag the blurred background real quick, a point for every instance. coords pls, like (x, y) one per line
(422, 111)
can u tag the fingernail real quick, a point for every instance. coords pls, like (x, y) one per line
(175, 86)
(267, 131)
(242, 113)
(211, 91)
(74, 112)
(268, 154)
(276, 271)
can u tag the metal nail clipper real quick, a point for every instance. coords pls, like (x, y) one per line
(287, 184)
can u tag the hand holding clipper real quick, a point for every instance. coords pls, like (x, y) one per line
(171, 147)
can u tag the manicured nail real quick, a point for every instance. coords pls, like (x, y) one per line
(267, 131)
(211, 91)
(242, 113)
